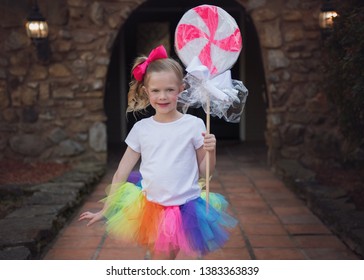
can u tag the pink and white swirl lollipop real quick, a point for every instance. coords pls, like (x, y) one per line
(212, 35)
(208, 42)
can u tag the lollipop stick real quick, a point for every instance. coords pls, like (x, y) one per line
(207, 153)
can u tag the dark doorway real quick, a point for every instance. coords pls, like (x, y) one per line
(257, 101)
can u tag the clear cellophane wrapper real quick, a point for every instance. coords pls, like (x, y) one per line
(197, 94)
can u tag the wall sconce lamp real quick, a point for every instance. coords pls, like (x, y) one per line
(326, 18)
(37, 30)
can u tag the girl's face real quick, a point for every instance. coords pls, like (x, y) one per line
(163, 89)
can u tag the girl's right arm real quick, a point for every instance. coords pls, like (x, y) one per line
(126, 165)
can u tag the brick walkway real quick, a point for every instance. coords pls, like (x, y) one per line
(273, 222)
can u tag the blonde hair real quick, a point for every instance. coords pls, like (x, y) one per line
(137, 98)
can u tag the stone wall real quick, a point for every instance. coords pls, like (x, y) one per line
(55, 111)
(301, 126)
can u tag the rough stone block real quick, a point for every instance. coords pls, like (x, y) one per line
(15, 253)
(25, 231)
(36, 211)
(44, 198)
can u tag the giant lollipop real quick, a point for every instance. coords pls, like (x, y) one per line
(212, 35)
(208, 42)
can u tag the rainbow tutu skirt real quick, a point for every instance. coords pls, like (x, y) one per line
(190, 228)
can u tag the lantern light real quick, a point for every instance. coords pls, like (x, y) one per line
(37, 30)
(326, 17)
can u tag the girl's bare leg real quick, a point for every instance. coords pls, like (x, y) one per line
(160, 256)
(147, 255)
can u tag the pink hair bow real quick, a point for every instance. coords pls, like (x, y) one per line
(157, 53)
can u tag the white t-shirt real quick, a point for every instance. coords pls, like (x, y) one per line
(168, 158)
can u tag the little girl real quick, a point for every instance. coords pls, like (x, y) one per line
(164, 212)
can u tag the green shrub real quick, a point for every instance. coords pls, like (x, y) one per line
(344, 67)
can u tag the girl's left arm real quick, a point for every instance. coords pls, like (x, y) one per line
(126, 164)
(209, 145)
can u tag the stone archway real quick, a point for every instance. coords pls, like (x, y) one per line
(290, 47)
(127, 46)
